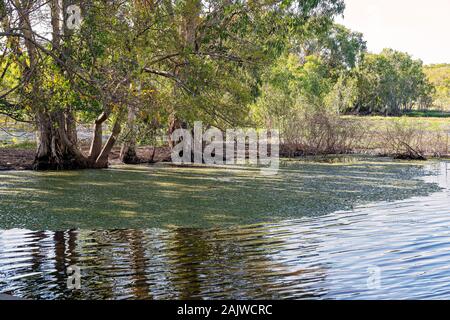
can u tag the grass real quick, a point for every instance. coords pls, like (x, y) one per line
(429, 135)
(428, 114)
(18, 145)
(381, 122)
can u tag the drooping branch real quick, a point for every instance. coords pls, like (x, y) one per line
(49, 53)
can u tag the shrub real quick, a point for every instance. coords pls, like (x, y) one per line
(406, 139)
(319, 132)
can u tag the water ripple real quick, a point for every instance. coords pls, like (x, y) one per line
(328, 257)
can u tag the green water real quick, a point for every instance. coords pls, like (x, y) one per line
(162, 195)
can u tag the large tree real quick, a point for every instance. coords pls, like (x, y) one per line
(196, 59)
(391, 82)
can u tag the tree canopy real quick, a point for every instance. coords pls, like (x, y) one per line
(439, 76)
(145, 65)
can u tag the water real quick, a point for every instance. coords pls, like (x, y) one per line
(130, 197)
(12, 132)
(374, 250)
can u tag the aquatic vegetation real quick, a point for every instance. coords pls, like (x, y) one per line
(158, 196)
(331, 256)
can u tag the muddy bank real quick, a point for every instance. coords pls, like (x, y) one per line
(22, 159)
(16, 159)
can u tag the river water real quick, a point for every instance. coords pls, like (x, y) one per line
(385, 235)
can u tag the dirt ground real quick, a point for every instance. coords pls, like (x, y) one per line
(22, 159)
(16, 159)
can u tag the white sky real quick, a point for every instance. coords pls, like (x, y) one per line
(419, 27)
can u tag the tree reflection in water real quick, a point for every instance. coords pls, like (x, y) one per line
(313, 257)
(181, 263)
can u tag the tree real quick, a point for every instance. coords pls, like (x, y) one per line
(391, 82)
(195, 58)
(289, 88)
(439, 76)
(338, 47)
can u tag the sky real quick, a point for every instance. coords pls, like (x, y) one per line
(419, 27)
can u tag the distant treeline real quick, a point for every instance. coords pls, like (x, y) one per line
(354, 81)
(439, 76)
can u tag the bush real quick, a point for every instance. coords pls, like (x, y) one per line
(406, 139)
(319, 132)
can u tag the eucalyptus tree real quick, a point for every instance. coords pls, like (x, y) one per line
(192, 59)
(68, 69)
(337, 46)
(391, 82)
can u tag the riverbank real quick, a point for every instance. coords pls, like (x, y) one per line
(22, 158)
(399, 137)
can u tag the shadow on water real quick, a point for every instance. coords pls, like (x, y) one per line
(147, 197)
(323, 256)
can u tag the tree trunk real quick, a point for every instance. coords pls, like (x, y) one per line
(128, 152)
(71, 127)
(174, 124)
(57, 132)
(55, 150)
(102, 159)
(188, 32)
(96, 144)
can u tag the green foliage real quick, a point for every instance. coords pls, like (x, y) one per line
(391, 82)
(314, 76)
(227, 63)
(428, 113)
(439, 76)
(298, 100)
(338, 47)
(199, 59)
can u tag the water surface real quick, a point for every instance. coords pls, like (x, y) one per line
(378, 247)
(162, 196)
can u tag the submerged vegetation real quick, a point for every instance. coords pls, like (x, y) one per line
(92, 84)
(160, 196)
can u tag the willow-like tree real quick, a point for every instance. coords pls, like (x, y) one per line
(197, 59)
